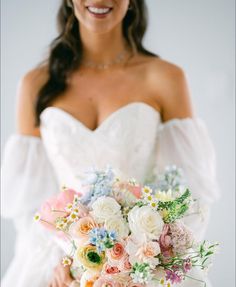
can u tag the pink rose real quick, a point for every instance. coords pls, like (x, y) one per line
(116, 252)
(108, 269)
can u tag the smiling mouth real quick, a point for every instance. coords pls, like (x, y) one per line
(99, 11)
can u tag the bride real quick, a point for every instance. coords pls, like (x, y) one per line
(100, 98)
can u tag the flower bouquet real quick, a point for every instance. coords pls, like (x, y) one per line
(119, 233)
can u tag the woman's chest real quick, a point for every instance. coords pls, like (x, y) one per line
(93, 97)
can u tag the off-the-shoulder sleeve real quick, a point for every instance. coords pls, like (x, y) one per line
(187, 144)
(27, 176)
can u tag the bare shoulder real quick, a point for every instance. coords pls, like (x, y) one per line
(27, 93)
(169, 85)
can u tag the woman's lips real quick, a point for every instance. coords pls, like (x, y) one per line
(99, 11)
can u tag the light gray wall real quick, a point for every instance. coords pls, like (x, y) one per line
(196, 35)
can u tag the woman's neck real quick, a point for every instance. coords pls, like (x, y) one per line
(102, 48)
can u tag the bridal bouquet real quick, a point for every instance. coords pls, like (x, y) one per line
(118, 233)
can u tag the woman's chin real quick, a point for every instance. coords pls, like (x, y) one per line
(100, 29)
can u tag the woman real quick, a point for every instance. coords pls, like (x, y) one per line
(100, 98)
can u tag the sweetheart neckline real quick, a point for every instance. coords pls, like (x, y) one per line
(107, 119)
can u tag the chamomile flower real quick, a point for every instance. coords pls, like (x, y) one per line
(162, 281)
(37, 217)
(153, 205)
(146, 190)
(76, 210)
(73, 216)
(60, 225)
(76, 199)
(149, 198)
(64, 220)
(69, 207)
(64, 187)
(66, 261)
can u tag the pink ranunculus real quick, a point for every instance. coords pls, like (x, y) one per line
(48, 217)
(55, 206)
(136, 190)
(65, 197)
(166, 242)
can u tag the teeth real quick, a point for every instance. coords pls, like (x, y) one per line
(98, 10)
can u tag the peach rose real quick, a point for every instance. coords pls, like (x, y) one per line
(80, 229)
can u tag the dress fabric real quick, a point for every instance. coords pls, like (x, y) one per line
(133, 140)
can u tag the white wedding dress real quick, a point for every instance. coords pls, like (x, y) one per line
(133, 140)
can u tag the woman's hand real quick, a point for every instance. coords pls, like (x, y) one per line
(61, 276)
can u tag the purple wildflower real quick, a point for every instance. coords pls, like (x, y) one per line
(187, 265)
(174, 277)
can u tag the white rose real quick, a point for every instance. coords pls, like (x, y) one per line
(119, 225)
(104, 208)
(144, 220)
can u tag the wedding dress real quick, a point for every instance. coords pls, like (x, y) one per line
(133, 140)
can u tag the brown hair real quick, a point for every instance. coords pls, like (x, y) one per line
(65, 51)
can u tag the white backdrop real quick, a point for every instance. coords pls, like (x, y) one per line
(196, 35)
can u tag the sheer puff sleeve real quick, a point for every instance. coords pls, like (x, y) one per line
(27, 181)
(27, 176)
(186, 143)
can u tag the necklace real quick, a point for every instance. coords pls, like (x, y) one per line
(121, 57)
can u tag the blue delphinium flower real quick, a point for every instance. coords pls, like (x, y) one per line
(99, 182)
(102, 238)
(171, 179)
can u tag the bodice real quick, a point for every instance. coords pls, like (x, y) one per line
(126, 140)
